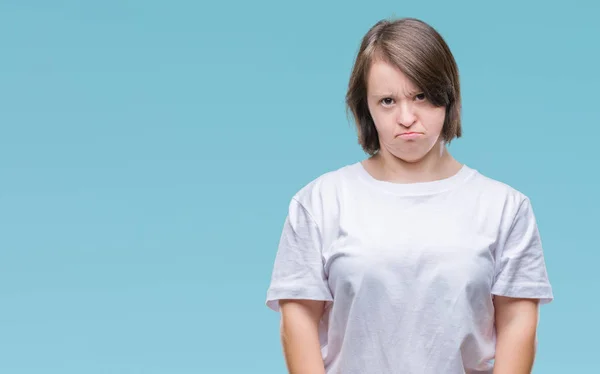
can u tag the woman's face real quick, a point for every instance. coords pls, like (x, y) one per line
(408, 125)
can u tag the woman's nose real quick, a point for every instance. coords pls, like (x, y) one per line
(405, 116)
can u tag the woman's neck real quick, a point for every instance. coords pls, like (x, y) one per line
(437, 164)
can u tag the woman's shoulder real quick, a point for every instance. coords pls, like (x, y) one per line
(495, 188)
(325, 188)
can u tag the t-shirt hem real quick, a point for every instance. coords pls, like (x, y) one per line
(276, 294)
(540, 291)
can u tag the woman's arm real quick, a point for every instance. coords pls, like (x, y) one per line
(516, 325)
(299, 335)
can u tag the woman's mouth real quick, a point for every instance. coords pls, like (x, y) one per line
(410, 135)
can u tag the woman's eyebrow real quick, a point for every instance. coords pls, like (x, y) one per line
(382, 94)
(414, 92)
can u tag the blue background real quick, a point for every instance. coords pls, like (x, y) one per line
(148, 151)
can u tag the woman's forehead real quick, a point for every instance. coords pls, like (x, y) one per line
(384, 78)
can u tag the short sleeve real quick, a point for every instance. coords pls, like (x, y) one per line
(520, 266)
(298, 271)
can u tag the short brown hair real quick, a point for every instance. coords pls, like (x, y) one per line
(421, 53)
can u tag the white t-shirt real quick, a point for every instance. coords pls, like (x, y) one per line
(408, 270)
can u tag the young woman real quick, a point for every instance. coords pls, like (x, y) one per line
(408, 261)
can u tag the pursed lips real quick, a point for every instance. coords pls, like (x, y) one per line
(409, 134)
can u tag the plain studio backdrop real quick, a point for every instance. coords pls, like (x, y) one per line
(149, 150)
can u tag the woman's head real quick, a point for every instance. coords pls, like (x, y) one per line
(405, 80)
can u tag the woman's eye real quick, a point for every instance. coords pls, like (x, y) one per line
(420, 97)
(387, 101)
